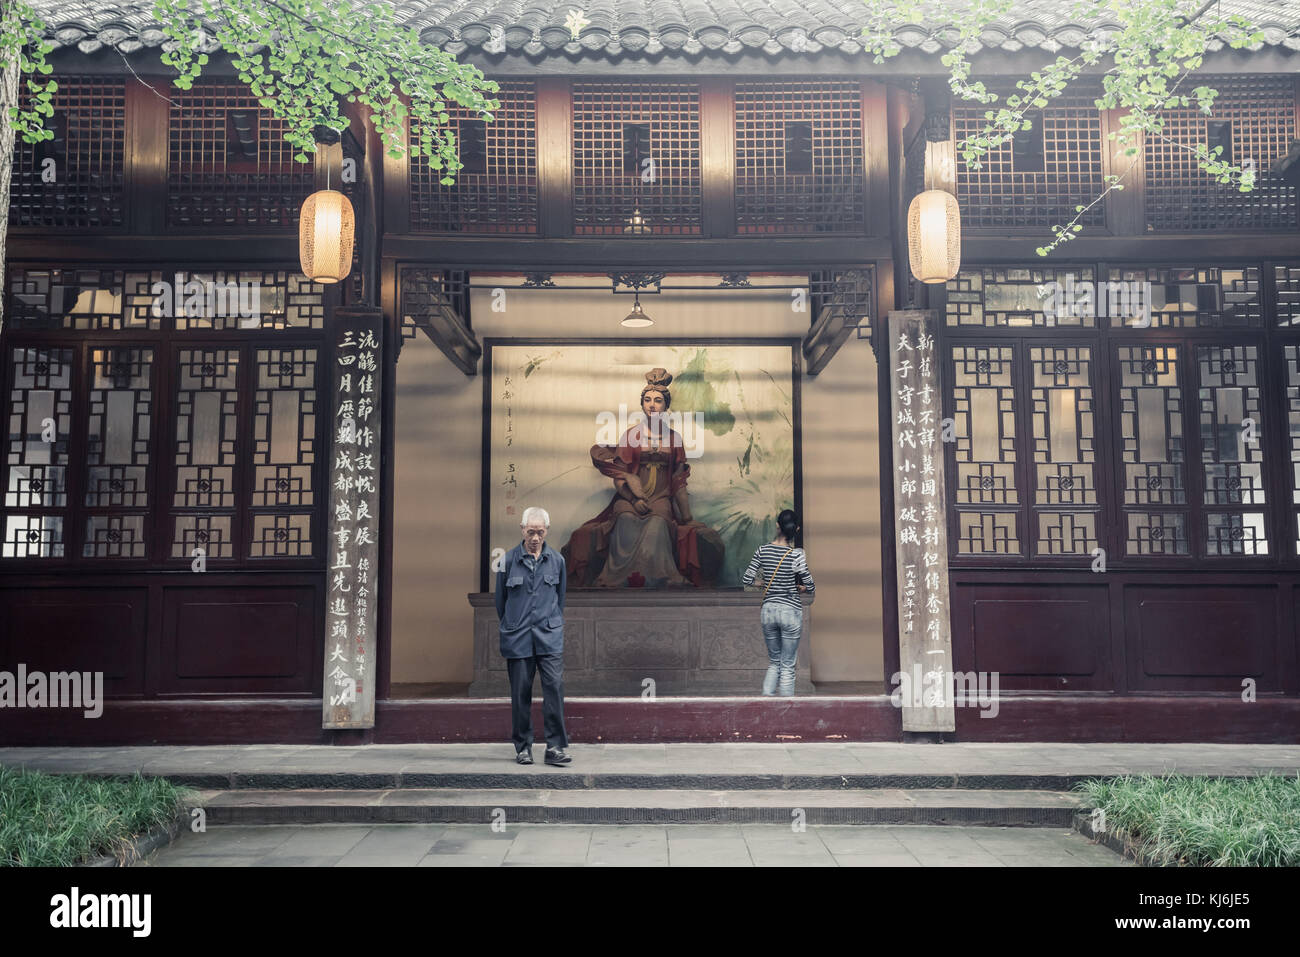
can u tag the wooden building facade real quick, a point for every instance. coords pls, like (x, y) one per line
(1123, 518)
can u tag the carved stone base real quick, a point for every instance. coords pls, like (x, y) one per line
(689, 642)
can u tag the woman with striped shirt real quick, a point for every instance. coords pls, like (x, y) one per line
(785, 570)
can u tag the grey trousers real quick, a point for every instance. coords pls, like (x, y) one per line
(522, 671)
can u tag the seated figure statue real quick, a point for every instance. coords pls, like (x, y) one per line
(646, 536)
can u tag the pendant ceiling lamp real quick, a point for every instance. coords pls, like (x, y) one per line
(636, 224)
(637, 319)
(326, 232)
(934, 236)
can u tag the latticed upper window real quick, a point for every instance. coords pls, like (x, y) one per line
(104, 299)
(228, 164)
(799, 157)
(636, 159)
(75, 179)
(1184, 296)
(1042, 174)
(1012, 296)
(1254, 123)
(496, 191)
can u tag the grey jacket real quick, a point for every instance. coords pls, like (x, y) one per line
(530, 603)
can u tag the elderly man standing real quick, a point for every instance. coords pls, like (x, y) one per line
(530, 607)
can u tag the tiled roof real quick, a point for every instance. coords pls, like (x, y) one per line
(537, 28)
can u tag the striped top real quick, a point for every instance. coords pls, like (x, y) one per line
(793, 571)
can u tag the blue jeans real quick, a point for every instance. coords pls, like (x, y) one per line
(781, 627)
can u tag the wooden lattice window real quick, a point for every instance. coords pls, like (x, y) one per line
(104, 366)
(1291, 363)
(799, 166)
(636, 159)
(1184, 296)
(496, 192)
(1066, 502)
(985, 493)
(1286, 295)
(74, 180)
(39, 418)
(1014, 296)
(228, 164)
(119, 487)
(1152, 446)
(1147, 429)
(96, 299)
(1039, 177)
(1254, 120)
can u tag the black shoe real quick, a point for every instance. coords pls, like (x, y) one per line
(558, 757)
(525, 756)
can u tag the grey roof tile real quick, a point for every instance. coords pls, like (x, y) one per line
(797, 27)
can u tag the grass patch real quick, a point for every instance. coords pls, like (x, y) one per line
(1204, 821)
(59, 820)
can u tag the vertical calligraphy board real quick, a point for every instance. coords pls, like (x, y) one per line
(920, 524)
(352, 550)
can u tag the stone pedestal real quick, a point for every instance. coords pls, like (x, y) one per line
(690, 642)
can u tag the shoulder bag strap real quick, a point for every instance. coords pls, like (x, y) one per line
(772, 577)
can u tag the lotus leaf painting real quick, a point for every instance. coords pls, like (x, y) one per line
(661, 466)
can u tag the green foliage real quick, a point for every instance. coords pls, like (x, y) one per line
(49, 820)
(1157, 44)
(301, 58)
(1204, 821)
(22, 38)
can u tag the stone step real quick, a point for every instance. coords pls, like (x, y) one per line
(1024, 808)
(562, 779)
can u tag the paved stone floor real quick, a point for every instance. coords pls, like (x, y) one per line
(737, 845)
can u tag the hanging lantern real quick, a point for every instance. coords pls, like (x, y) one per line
(325, 234)
(637, 319)
(934, 236)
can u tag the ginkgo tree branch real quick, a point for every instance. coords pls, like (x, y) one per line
(303, 58)
(1156, 40)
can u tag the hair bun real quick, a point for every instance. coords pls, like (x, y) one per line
(658, 377)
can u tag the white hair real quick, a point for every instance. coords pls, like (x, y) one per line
(535, 513)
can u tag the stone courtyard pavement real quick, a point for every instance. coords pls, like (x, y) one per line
(638, 845)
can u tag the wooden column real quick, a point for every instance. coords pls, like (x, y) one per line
(145, 170)
(876, 148)
(940, 147)
(396, 177)
(718, 156)
(924, 681)
(554, 157)
(1126, 208)
(352, 551)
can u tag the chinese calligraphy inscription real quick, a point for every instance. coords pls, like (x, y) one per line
(352, 556)
(920, 519)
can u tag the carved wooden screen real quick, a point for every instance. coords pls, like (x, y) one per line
(1254, 121)
(496, 192)
(799, 157)
(1039, 178)
(74, 180)
(1286, 298)
(228, 165)
(1140, 420)
(149, 421)
(636, 159)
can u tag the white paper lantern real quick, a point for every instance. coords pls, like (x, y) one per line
(934, 236)
(325, 235)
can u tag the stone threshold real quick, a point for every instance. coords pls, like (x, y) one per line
(879, 806)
